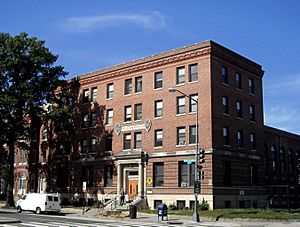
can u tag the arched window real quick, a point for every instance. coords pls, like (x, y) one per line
(274, 157)
(42, 183)
(282, 159)
(22, 184)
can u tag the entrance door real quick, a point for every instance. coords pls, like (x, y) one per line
(132, 190)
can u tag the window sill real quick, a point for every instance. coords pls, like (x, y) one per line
(139, 92)
(179, 115)
(194, 81)
(127, 122)
(225, 84)
(127, 95)
(140, 120)
(192, 113)
(181, 145)
(179, 85)
(226, 114)
(158, 118)
(109, 99)
(157, 89)
(159, 147)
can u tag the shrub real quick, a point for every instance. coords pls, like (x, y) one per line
(204, 205)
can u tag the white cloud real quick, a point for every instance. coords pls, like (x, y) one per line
(284, 83)
(283, 117)
(150, 20)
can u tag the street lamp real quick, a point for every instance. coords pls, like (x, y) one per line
(196, 189)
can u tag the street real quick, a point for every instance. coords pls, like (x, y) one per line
(29, 219)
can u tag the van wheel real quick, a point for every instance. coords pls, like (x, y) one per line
(38, 210)
(19, 209)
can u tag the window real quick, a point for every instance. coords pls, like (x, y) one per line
(193, 103)
(253, 141)
(290, 161)
(108, 144)
(158, 174)
(83, 146)
(138, 112)
(238, 81)
(22, 184)
(252, 113)
(227, 173)
(94, 94)
(137, 140)
(186, 174)
(193, 72)
(128, 114)
(239, 109)
(180, 105)
(240, 139)
(224, 74)
(158, 140)
(32, 182)
(87, 175)
(128, 86)
(251, 86)
(85, 96)
(127, 141)
(93, 119)
(226, 136)
(253, 174)
(85, 120)
(158, 108)
(138, 84)
(192, 134)
(45, 134)
(282, 159)
(158, 80)
(180, 74)
(274, 157)
(225, 104)
(108, 176)
(110, 91)
(93, 145)
(22, 156)
(181, 136)
(109, 116)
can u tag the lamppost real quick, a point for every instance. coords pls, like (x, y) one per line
(196, 184)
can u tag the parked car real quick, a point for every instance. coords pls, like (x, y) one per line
(39, 202)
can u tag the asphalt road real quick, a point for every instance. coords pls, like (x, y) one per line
(29, 219)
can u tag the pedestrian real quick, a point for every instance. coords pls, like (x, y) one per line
(122, 197)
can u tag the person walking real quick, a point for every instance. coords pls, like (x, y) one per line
(122, 197)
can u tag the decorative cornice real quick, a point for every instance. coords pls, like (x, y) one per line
(144, 66)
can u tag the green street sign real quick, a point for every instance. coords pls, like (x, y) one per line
(189, 161)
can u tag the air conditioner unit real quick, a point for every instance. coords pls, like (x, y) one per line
(182, 143)
(184, 185)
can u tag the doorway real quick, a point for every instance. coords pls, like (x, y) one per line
(132, 184)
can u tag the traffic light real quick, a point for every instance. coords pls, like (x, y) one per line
(201, 156)
(201, 160)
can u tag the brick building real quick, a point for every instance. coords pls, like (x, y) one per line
(133, 134)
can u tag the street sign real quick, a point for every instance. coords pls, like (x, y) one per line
(189, 161)
(197, 187)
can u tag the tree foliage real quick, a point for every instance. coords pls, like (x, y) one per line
(28, 80)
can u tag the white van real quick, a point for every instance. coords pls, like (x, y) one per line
(39, 202)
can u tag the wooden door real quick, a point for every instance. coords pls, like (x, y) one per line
(132, 187)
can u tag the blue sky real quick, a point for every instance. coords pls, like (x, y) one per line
(94, 34)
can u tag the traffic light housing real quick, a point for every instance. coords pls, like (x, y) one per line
(201, 156)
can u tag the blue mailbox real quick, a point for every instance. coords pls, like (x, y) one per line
(162, 211)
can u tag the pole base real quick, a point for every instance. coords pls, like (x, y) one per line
(196, 217)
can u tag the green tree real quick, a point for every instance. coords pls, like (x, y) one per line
(28, 80)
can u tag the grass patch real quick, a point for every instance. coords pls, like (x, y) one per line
(266, 214)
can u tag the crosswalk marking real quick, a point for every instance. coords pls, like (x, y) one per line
(93, 224)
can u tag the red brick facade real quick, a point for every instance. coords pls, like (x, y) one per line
(234, 169)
